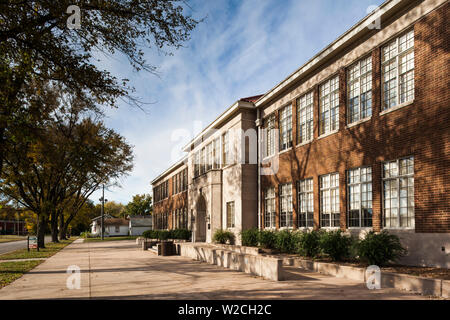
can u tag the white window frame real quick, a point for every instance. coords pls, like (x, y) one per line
(396, 59)
(305, 194)
(359, 84)
(285, 126)
(359, 185)
(329, 200)
(231, 215)
(329, 106)
(269, 127)
(305, 116)
(269, 215)
(409, 176)
(286, 211)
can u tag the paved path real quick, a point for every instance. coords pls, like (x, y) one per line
(119, 270)
(6, 247)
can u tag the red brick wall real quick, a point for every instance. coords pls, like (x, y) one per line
(421, 129)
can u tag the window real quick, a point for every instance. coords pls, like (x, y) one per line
(359, 86)
(269, 136)
(305, 203)
(197, 164)
(203, 161)
(305, 109)
(286, 127)
(230, 214)
(185, 180)
(269, 208)
(216, 153)
(397, 59)
(359, 183)
(329, 106)
(117, 229)
(286, 205)
(209, 156)
(226, 148)
(329, 200)
(398, 191)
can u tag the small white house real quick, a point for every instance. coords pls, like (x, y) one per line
(113, 226)
(139, 224)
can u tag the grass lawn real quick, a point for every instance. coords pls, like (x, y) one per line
(11, 238)
(11, 271)
(49, 250)
(111, 238)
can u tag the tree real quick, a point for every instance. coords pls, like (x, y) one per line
(116, 209)
(70, 156)
(140, 205)
(35, 43)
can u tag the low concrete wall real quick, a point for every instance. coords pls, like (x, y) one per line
(426, 286)
(266, 267)
(239, 249)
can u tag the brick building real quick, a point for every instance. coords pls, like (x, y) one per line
(358, 138)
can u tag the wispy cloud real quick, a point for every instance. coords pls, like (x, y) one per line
(242, 49)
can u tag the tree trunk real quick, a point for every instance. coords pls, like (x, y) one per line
(40, 232)
(54, 225)
(62, 230)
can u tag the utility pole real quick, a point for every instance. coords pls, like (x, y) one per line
(102, 199)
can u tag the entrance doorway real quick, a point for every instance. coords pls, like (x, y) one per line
(200, 226)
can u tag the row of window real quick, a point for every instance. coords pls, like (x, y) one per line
(397, 69)
(161, 191)
(161, 221)
(180, 182)
(208, 157)
(398, 198)
(180, 218)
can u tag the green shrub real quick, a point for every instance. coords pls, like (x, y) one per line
(163, 234)
(250, 237)
(149, 234)
(309, 244)
(285, 241)
(379, 249)
(182, 234)
(267, 239)
(223, 237)
(335, 244)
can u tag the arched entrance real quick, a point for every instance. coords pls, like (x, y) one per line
(200, 220)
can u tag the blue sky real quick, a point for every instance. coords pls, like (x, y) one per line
(243, 48)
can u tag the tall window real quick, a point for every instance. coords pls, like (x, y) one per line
(329, 200)
(203, 160)
(359, 86)
(226, 159)
(269, 127)
(269, 208)
(359, 183)
(230, 214)
(185, 179)
(398, 190)
(209, 156)
(286, 127)
(398, 70)
(305, 109)
(286, 205)
(305, 203)
(329, 106)
(197, 164)
(216, 153)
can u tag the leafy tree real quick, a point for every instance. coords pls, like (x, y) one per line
(36, 44)
(115, 209)
(140, 205)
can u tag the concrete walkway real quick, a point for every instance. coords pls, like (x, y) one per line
(119, 270)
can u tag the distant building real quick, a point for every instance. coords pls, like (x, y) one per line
(13, 227)
(113, 226)
(138, 224)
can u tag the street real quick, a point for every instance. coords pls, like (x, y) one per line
(16, 245)
(120, 270)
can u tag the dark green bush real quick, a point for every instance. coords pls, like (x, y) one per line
(223, 237)
(149, 234)
(309, 244)
(250, 237)
(335, 244)
(163, 234)
(379, 249)
(285, 241)
(181, 234)
(267, 239)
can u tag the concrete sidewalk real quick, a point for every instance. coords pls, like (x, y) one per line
(120, 270)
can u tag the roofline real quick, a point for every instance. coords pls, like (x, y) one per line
(351, 34)
(177, 164)
(220, 119)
